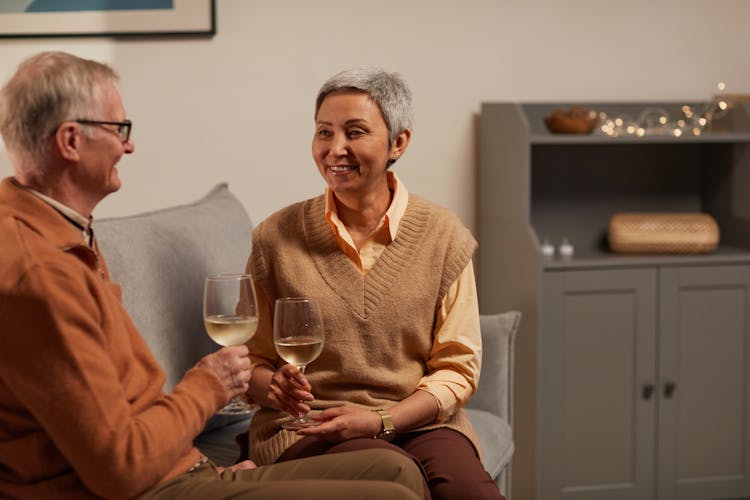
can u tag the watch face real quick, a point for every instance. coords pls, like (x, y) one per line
(388, 435)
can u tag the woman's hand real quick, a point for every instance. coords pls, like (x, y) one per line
(231, 366)
(288, 389)
(345, 422)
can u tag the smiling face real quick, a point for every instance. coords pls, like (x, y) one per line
(104, 148)
(351, 147)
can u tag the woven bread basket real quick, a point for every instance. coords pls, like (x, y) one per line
(672, 233)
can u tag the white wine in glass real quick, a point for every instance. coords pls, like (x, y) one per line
(299, 351)
(230, 329)
(230, 317)
(298, 337)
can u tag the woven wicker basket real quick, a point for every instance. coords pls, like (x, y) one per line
(673, 233)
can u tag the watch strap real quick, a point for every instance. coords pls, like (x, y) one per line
(388, 430)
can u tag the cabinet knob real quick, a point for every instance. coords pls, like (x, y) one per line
(647, 391)
(669, 389)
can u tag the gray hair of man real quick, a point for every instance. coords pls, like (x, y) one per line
(388, 90)
(46, 90)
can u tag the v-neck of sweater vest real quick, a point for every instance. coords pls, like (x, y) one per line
(363, 291)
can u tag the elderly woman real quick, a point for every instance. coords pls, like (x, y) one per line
(394, 277)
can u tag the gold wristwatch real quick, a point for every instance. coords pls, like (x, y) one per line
(388, 431)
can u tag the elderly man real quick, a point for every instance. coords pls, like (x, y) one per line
(82, 412)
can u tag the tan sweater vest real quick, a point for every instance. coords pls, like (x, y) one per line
(378, 325)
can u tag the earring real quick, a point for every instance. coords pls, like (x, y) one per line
(392, 160)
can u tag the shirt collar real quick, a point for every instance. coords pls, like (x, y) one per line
(392, 216)
(75, 218)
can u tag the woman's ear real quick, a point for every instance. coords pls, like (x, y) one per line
(401, 143)
(68, 141)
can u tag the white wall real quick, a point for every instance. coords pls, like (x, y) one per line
(238, 107)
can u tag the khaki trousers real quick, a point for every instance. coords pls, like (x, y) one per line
(367, 474)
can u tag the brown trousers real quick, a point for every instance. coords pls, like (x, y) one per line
(448, 459)
(371, 475)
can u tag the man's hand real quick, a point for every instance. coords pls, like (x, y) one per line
(244, 465)
(231, 366)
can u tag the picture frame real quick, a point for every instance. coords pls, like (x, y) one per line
(110, 18)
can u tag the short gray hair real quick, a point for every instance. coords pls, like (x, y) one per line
(388, 90)
(46, 90)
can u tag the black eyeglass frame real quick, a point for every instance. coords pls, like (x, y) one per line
(123, 128)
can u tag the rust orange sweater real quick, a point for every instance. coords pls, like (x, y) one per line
(82, 412)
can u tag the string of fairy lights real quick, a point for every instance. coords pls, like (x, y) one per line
(693, 120)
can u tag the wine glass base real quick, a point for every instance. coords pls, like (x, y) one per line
(238, 409)
(293, 425)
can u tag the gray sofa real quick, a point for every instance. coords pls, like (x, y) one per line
(161, 259)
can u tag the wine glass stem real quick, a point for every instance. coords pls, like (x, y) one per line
(301, 415)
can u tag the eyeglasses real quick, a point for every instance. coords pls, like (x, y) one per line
(123, 128)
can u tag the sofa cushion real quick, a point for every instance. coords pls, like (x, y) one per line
(490, 408)
(495, 380)
(496, 438)
(161, 259)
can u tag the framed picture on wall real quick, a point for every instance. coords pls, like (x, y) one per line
(53, 18)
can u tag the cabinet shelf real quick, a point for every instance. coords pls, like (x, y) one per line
(598, 328)
(601, 259)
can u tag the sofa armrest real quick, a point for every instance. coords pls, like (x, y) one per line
(495, 391)
(490, 409)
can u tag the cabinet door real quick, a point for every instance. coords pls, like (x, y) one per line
(597, 362)
(704, 398)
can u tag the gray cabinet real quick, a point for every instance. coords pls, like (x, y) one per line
(632, 370)
(597, 351)
(644, 383)
(703, 446)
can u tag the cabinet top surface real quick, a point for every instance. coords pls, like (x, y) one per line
(732, 127)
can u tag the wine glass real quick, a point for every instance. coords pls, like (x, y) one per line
(298, 337)
(230, 317)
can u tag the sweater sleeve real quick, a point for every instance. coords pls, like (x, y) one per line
(456, 356)
(78, 367)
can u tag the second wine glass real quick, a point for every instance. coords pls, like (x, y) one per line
(298, 337)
